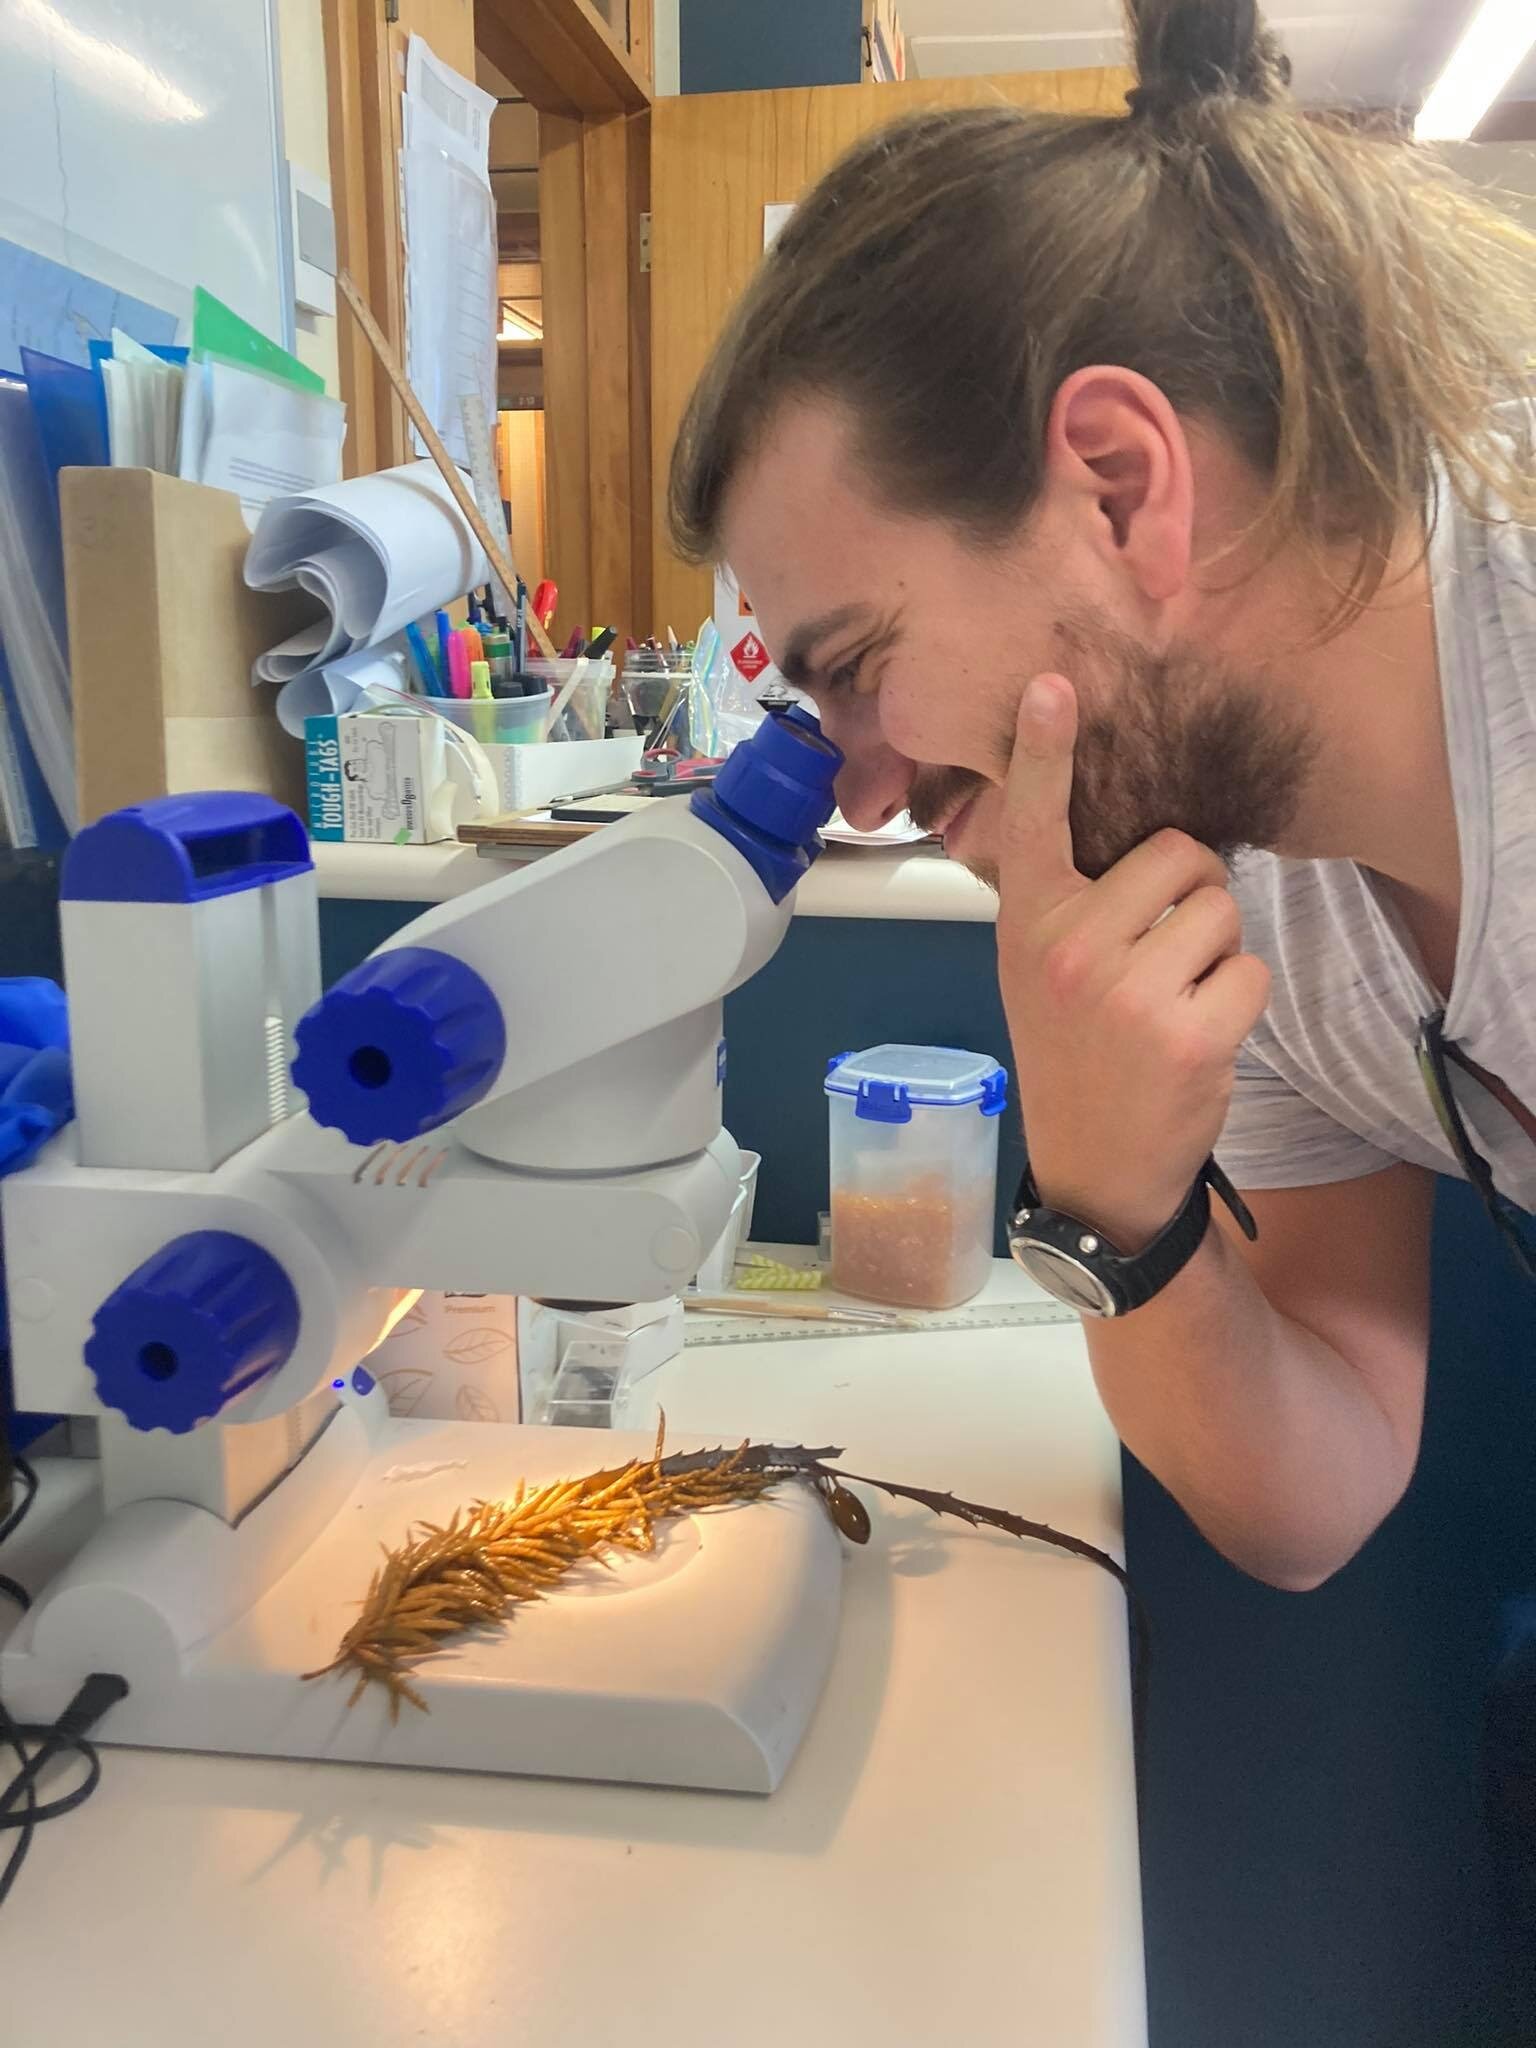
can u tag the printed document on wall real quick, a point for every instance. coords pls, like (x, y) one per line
(450, 242)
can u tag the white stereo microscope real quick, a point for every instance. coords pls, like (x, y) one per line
(518, 1093)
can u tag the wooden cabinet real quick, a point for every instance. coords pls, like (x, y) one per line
(717, 160)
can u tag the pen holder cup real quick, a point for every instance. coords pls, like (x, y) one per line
(586, 709)
(659, 697)
(498, 721)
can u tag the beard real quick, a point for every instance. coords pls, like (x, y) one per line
(1178, 738)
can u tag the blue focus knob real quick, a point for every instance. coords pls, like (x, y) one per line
(399, 1046)
(208, 1316)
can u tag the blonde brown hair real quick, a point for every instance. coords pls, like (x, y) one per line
(1339, 305)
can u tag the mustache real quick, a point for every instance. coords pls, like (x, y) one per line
(937, 793)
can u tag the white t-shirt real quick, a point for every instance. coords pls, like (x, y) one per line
(1328, 1086)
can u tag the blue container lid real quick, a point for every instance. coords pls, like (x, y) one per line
(889, 1081)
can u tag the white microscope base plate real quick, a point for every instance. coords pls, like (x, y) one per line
(699, 1665)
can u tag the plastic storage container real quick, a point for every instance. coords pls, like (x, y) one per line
(498, 721)
(914, 1172)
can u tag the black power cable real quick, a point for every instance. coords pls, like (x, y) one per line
(37, 1746)
(9, 1587)
(102, 1690)
(18, 1514)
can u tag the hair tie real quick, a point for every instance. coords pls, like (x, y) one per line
(1152, 102)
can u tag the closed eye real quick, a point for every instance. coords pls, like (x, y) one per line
(845, 675)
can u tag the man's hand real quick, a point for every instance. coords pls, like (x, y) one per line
(1127, 998)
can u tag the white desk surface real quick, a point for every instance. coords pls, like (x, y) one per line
(951, 1860)
(900, 882)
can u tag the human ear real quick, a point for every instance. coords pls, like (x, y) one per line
(1117, 453)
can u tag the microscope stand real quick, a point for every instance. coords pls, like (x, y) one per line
(696, 1665)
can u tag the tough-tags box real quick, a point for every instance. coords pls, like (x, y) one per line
(382, 779)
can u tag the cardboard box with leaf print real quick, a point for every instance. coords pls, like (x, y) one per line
(452, 1357)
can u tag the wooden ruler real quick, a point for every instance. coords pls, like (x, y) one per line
(496, 553)
(482, 468)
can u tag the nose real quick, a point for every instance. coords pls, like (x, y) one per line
(872, 788)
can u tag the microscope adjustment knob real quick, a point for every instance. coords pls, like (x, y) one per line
(399, 1046)
(193, 1327)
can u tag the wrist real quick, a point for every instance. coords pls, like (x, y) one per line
(1128, 1218)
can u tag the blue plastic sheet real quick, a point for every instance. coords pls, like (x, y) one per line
(36, 1098)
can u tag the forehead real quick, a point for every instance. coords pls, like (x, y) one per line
(802, 528)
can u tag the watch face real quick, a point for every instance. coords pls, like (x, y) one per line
(1064, 1277)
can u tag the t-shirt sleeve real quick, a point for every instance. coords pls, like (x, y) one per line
(1275, 1138)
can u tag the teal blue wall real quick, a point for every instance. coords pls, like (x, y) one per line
(739, 45)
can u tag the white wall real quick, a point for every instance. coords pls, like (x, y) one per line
(306, 137)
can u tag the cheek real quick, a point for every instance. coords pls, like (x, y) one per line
(940, 718)
(910, 717)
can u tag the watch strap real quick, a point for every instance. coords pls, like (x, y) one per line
(1137, 1277)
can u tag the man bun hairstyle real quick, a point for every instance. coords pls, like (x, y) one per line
(1188, 50)
(1334, 302)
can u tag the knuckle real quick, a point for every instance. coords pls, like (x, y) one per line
(1132, 1006)
(1173, 847)
(1219, 908)
(1189, 1052)
(1067, 967)
(1258, 982)
(1185, 857)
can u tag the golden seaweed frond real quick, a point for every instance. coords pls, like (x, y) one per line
(497, 1554)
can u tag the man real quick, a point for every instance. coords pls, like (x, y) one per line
(1129, 493)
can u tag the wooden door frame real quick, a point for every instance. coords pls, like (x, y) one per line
(593, 99)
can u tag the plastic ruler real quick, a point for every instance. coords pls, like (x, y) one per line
(997, 1315)
(482, 470)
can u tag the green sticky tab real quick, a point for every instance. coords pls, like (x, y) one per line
(217, 331)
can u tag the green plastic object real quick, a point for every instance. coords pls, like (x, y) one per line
(217, 331)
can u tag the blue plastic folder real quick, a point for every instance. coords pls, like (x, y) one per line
(67, 405)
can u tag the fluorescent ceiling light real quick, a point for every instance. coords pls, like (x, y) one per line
(1482, 64)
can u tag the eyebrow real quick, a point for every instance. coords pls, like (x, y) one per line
(795, 663)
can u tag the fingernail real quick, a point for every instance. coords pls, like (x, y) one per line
(1040, 700)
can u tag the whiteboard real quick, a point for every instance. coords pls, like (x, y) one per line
(141, 145)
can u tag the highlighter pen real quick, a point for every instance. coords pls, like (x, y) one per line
(482, 716)
(421, 654)
(458, 666)
(498, 652)
(444, 641)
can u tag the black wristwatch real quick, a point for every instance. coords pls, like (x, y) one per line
(1078, 1264)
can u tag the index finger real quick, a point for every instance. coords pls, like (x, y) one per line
(1037, 797)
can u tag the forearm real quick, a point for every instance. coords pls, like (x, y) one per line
(1270, 1439)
